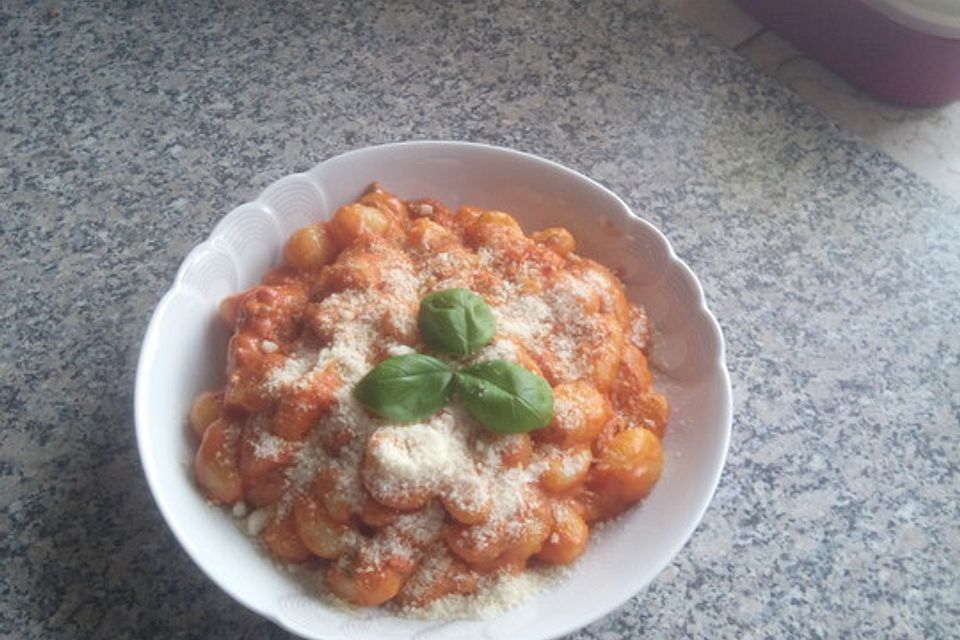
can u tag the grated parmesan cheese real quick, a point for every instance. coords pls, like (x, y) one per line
(395, 350)
(269, 446)
(527, 317)
(431, 458)
(447, 459)
(403, 539)
(499, 349)
(257, 521)
(495, 593)
(568, 415)
(268, 346)
(287, 374)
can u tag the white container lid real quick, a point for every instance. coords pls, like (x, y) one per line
(935, 17)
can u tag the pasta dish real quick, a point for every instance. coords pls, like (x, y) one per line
(423, 407)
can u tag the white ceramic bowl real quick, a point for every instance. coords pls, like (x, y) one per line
(184, 349)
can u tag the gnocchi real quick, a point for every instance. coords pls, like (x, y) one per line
(411, 513)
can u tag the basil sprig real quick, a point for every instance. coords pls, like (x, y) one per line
(456, 322)
(503, 396)
(406, 388)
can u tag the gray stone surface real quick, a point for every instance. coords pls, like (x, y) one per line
(128, 129)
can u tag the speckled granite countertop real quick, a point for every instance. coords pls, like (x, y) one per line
(127, 131)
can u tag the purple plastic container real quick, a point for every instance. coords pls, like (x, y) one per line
(904, 51)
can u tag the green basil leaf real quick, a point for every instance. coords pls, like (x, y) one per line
(406, 388)
(505, 397)
(457, 322)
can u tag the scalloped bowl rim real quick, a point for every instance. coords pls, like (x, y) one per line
(213, 243)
